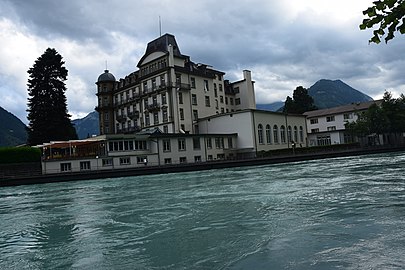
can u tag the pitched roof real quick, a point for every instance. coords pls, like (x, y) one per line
(353, 107)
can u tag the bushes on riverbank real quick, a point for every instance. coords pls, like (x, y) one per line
(10, 155)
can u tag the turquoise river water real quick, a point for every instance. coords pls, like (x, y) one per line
(342, 213)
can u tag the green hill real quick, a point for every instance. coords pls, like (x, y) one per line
(329, 94)
(12, 130)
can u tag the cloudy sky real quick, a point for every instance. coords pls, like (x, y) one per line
(284, 43)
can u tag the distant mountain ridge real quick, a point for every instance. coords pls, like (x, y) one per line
(329, 94)
(326, 94)
(12, 130)
(87, 126)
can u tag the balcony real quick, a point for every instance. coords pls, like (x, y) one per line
(182, 86)
(153, 107)
(133, 115)
(121, 117)
(103, 106)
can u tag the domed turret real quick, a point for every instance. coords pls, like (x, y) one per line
(106, 77)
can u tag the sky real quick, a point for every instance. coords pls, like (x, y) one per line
(284, 44)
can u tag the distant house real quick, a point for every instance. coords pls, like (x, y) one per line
(327, 126)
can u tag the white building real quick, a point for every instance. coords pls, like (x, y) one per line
(327, 126)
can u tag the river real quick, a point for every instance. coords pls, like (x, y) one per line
(341, 213)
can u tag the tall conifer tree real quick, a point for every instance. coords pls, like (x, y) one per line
(47, 107)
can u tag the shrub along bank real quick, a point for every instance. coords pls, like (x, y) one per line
(12, 155)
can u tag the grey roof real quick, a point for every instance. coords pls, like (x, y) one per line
(106, 77)
(353, 107)
(160, 45)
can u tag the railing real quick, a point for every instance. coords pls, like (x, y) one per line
(153, 107)
(133, 115)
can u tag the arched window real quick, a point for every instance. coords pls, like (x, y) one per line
(295, 134)
(289, 134)
(275, 134)
(282, 133)
(268, 134)
(301, 134)
(260, 133)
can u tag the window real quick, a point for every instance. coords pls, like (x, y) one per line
(155, 118)
(84, 165)
(220, 87)
(206, 88)
(207, 101)
(65, 167)
(181, 111)
(182, 144)
(221, 156)
(314, 121)
(236, 90)
(145, 87)
(192, 81)
(314, 130)
(231, 101)
(230, 143)
(183, 160)
(237, 101)
(260, 133)
(282, 133)
(221, 99)
(195, 115)
(268, 134)
(209, 157)
(154, 84)
(323, 140)
(165, 128)
(166, 145)
(196, 144)
(165, 115)
(147, 120)
(330, 118)
(125, 161)
(194, 99)
(164, 98)
(275, 133)
(168, 161)
(295, 134)
(226, 100)
(301, 134)
(197, 158)
(347, 116)
(209, 143)
(142, 159)
(180, 98)
(331, 128)
(162, 80)
(215, 90)
(107, 162)
(219, 143)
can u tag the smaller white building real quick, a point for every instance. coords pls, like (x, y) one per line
(327, 126)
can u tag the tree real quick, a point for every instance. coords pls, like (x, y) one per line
(300, 102)
(47, 109)
(388, 16)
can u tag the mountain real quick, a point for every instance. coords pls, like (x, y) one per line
(12, 130)
(329, 94)
(326, 94)
(87, 126)
(275, 106)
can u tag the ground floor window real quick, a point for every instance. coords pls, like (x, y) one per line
(125, 161)
(65, 167)
(183, 159)
(221, 156)
(84, 165)
(197, 158)
(107, 162)
(142, 159)
(323, 140)
(168, 161)
(210, 157)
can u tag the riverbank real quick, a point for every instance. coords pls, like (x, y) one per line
(36, 178)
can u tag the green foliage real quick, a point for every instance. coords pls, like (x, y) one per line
(387, 118)
(300, 102)
(47, 108)
(387, 16)
(10, 155)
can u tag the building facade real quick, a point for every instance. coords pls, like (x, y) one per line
(169, 92)
(327, 126)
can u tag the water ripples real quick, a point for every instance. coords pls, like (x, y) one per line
(326, 214)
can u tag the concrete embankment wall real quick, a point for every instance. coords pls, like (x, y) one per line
(37, 178)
